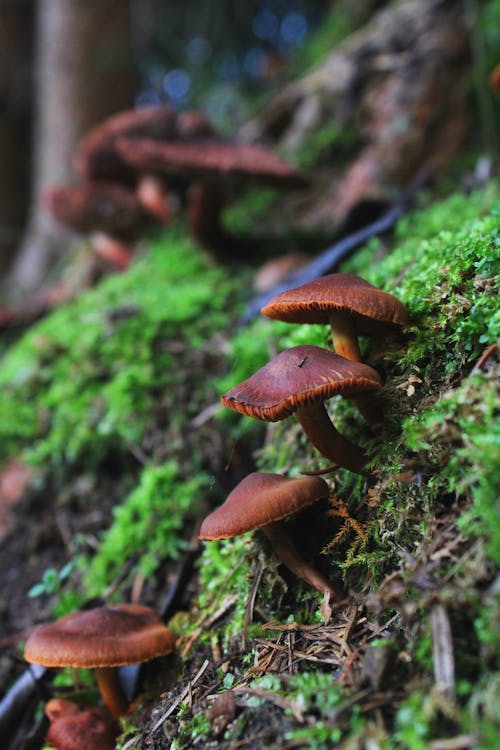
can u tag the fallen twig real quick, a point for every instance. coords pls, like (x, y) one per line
(442, 653)
(181, 697)
(484, 357)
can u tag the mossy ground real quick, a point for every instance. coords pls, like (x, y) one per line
(113, 400)
(113, 417)
(419, 539)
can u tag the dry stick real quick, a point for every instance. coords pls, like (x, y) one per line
(251, 604)
(329, 258)
(484, 357)
(181, 697)
(459, 742)
(442, 653)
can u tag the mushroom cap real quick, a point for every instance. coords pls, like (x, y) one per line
(96, 157)
(100, 637)
(107, 207)
(56, 708)
(92, 729)
(296, 377)
(192, 124)
(205, 158)
(373, 309)
(260, 499)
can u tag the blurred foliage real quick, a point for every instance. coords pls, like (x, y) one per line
(65, 405)
(147, 526)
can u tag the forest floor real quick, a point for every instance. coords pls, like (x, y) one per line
(114, 447)
(119, 491)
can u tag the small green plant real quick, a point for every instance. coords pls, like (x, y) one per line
(194, 729)
(413, 722)
(53, 583)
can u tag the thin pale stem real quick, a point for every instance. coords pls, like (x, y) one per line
(286, 551)
(345, 337)
(111, 691)
(345, 343)
(113, 251)
(322, 433)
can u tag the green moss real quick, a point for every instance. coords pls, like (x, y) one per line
(146, 526)
(66, 403)
(248, 212)
(461, 437)
(225, 575)
(191, 729)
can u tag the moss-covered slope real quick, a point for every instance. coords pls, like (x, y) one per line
(125, 381)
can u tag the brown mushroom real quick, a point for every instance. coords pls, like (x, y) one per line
(262, 501)
(105, 207)
(155, 198)
(96, 156)
(206, 158)
(102, 639)
(350, 305)
(299, 380)
(56, 708)
(207, 166)
(112, 214)
(73, 728)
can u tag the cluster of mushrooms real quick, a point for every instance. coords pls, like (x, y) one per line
(138, 168)
(102, 639)
(298, 381)
(126, 167)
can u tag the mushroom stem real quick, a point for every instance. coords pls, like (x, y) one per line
(344, 335)
(327, 439)
(345, 343)
(113, 251)
(111, 691)
(368, 408)
(153, 195)
(286, 551)
(205, 204)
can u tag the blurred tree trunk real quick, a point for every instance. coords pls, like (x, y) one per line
(16, 31)
(85, 69)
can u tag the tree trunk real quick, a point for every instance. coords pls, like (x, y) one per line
(85, 71)
(16, 53)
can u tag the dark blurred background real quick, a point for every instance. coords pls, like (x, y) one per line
(67, 64)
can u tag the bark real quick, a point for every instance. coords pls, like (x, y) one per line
(400, 83)
(16, 53)
(85, 71)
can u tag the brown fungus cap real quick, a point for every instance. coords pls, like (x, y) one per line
(209, 158)
(260, 499)
(374, 310)
(296, 377)
(105, 207)
(101, 637)
(91, 729)
(96, 157)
